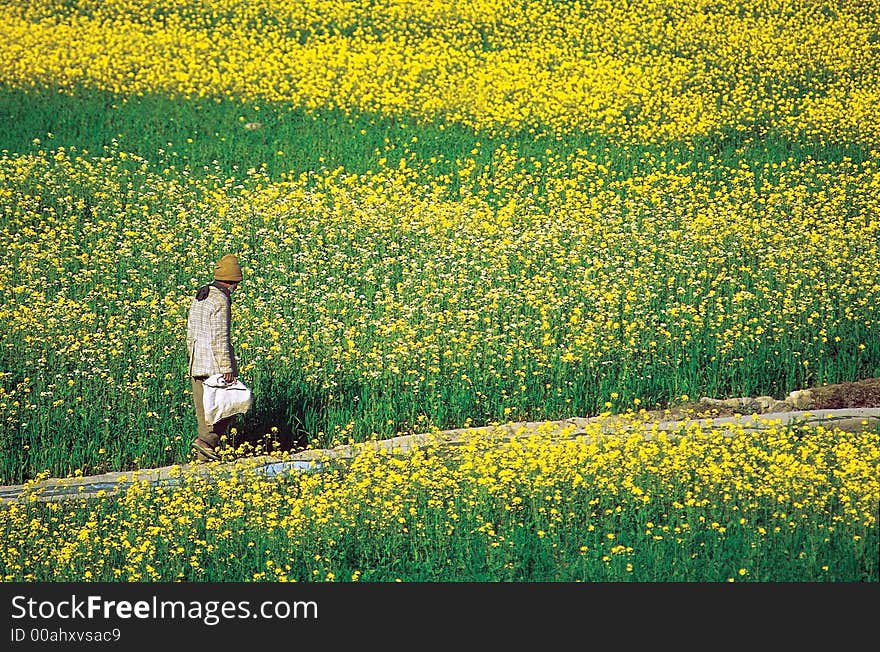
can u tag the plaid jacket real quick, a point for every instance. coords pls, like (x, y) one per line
(208, 338)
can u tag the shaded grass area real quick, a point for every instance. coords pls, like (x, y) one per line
(206, 135)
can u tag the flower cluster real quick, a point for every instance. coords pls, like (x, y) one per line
(782, 504)
(641, 70)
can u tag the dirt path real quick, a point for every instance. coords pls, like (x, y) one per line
(673, 422)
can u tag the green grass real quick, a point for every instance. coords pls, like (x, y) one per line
(205, 135)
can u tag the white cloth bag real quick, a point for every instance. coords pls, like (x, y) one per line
(224, 399)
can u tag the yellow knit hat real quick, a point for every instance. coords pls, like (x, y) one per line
(227, 269)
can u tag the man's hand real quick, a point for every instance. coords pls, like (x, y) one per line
(229, 378)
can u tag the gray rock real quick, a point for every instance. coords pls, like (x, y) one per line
(779, 406)
(741, 405)
(801, 399)
(765, 402)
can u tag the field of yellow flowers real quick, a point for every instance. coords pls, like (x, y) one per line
(448, 213)
(710, 506)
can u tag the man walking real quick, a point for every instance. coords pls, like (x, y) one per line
(210, 349)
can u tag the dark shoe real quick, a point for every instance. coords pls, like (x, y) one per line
(204, 452)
